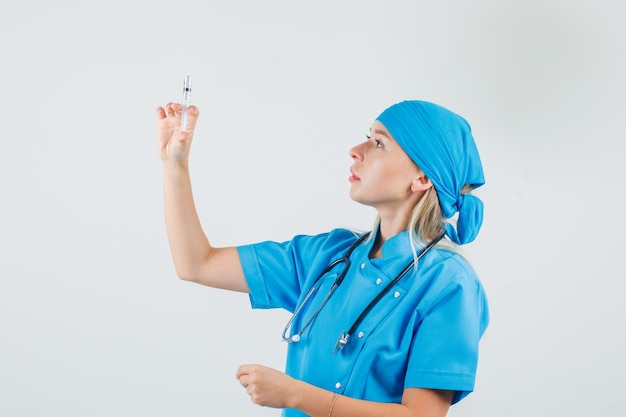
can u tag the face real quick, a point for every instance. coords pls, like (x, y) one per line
(382, 174)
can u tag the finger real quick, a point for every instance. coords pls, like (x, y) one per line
(241, 371)
(243, 381)
(193, 113)
(173, 108)
(169, 109)
(160, 112)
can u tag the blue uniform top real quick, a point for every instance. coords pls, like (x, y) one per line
(424, 333)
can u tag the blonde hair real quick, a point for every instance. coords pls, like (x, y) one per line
(427, 222)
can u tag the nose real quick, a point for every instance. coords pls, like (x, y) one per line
(356, 152)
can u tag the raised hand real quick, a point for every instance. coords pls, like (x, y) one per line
(172, 143)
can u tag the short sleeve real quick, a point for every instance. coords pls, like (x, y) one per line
(277, 272)
(444, 353)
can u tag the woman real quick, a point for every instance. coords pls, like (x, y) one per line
(392, 328)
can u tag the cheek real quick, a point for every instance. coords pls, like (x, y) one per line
(397, 172)
(384, 174)
(389, 180)
(403, 177)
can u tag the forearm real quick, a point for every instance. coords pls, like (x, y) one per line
(317, 402)
(188, 243)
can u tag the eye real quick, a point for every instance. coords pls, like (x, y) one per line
(376, 142)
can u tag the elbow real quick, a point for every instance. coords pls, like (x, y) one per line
(189, 268)
(184, 274)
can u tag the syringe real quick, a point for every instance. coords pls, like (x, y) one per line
(186, 101)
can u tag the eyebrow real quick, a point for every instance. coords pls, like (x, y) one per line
(381, 132)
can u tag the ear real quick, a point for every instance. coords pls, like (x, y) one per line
(421, 183)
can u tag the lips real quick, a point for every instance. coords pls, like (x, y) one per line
(353, 177)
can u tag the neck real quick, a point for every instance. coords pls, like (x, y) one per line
(388, 228)
(393, 220)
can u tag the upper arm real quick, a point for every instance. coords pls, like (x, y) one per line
(424, 402)
(272, 271)
(222, 269)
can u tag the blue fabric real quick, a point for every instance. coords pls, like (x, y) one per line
(440, 142)
(423, 334)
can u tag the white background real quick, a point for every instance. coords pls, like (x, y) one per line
(94, 322)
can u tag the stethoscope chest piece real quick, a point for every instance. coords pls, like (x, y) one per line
(341, 341)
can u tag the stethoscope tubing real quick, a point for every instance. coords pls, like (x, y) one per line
(343, 338)
(345, 259)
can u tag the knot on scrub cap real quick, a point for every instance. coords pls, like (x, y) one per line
(441, 144)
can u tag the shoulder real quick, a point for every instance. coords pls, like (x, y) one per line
(449, 271)
(335, 240)
(454, 264)
(454, 289)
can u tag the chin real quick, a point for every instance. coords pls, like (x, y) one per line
(354, 196)
(362, 201)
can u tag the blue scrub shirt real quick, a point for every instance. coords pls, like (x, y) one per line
(424, 333)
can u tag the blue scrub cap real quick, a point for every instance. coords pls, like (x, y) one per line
(441, 144)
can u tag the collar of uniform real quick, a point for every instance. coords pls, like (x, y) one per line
(396, 246)
(396, 254)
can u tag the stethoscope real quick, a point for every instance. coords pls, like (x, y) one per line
(345, 336)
